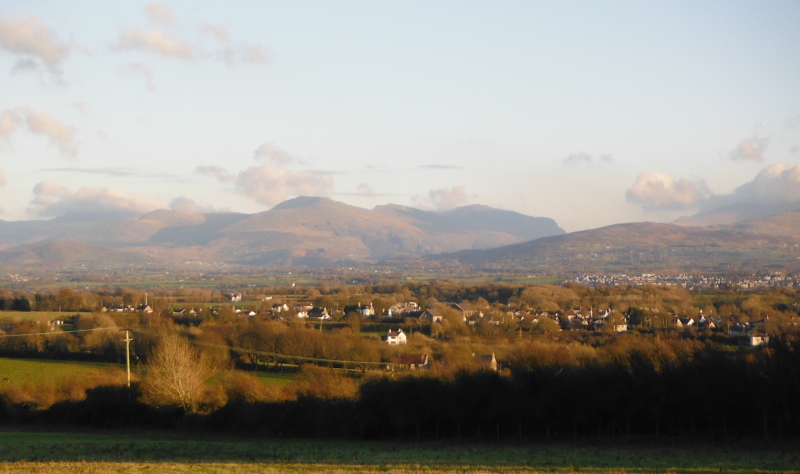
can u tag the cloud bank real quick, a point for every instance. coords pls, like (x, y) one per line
(51, 199)
(655, 190)
(272, 185)
(184, 204)
(774, 190)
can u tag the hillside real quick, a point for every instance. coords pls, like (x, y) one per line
(760, 244)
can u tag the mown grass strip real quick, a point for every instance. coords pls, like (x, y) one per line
(173, 451)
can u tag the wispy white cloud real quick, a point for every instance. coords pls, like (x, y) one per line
(272, 152)
(26, 65)
(162, 38)
(34, 41)
(365, 188)
(61, 135)
(578, 158)
(440, 167)
(751, 149)
(40, 123)
(442, 199)
(219, 32)
(3, 180)
(116, 173)
(51, 199)
(236, 52)
(243, 53)
(156, 41)
(134, 69)
(8, 122)
(217, 172)
(655, 190)
(160, 13)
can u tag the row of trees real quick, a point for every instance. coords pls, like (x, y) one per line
(551, 298)
(704, 393)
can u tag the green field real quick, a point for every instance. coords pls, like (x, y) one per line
(120, 451)
(19, 371)
(278, 379)
(274, 378)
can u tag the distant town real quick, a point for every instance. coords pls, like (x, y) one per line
(691, 282)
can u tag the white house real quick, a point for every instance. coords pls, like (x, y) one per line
(396, 337)
(366, 311)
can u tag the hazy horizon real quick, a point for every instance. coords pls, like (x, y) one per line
(588, 113)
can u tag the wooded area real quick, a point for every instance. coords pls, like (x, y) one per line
(553, 381)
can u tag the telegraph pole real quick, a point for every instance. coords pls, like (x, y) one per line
(128, 354)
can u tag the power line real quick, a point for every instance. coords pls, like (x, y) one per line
(216, 346)
(266, 354)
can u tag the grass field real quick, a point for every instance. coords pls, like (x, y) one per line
(278, 379)
(19, 371)
(115, 451)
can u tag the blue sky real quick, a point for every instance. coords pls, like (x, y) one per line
(591, 113)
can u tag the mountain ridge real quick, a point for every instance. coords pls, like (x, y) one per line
(314, 231)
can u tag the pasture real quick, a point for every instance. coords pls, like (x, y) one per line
(20, 371)
(35, 371)
(117, 451)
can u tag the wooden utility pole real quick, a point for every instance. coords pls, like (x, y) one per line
(128, 354)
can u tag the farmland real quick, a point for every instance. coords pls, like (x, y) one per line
(104, 451)
(19, 371)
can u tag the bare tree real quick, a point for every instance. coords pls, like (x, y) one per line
(176, 374)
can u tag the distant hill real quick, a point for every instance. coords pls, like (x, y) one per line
(306, 231)
(760, 244)
(738, 212)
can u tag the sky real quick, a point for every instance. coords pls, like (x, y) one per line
(591, 113)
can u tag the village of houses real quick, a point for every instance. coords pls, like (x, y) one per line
(410, 315)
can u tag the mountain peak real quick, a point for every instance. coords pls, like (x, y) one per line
(303, 201)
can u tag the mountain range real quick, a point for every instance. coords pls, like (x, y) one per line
(319, 232)
(304, 231)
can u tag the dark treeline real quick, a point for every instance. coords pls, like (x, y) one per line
(707, 394)
(11, 303)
